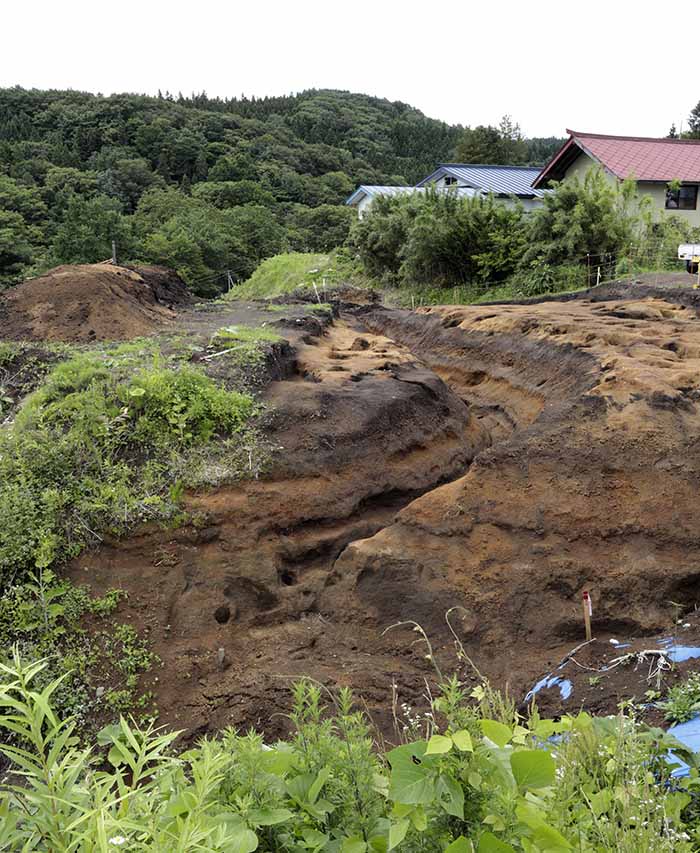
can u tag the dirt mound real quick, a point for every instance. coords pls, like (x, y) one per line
(90, 302)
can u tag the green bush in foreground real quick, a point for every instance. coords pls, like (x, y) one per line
(472, 784)
(98, 447)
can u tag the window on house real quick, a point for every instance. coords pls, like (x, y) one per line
(684, 198)
(450, 181)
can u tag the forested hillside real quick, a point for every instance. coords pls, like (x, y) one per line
(202, 184)
(196, 183)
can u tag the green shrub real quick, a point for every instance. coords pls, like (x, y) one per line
(440, 239)
(45, 617)
(480, 784)
(95, 448)
(544, 278)
(593, 216)
(683, 700)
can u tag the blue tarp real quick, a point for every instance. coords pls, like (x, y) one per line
(687, 733)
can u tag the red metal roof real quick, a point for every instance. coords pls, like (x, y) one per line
(644, 158)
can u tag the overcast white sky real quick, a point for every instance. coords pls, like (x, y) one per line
(609, 67)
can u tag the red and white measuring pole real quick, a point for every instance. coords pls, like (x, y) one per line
(587, 613)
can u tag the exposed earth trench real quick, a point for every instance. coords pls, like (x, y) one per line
(499, 460)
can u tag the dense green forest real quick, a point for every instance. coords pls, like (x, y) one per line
(204, 184)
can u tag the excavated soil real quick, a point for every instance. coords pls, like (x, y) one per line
(91, 302)
(500, 460)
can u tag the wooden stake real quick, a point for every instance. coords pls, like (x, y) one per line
(587, 610)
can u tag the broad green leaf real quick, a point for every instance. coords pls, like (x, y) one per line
(548, 838)
(419, 818)
(397, 832)
(601, 801)
(278, 761)
(379, 844)
(438, 744)
(460, 845)
(320, 781)
(353, 845)
(314, 837)
(402, 810)
(463, 741)
(533, 768)
(496, 821)
(474, 779)
(451, 795)
(183, 803)
(496, 732)
(412, 777)
(242, 840)
(544, 835)
(488, 843)
(269, 817)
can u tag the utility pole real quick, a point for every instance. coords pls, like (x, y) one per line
(229, 278)
(114, 252)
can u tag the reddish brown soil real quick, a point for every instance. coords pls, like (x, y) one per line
(501, 459)
(91, 302)
(361, 430)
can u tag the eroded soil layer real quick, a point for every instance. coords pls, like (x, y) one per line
(362, 429)
(596, 487)
(497, 459)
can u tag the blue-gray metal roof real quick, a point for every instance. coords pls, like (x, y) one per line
(372, 191)
(499, 180)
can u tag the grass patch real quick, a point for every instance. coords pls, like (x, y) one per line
(241, 334)
(284, 273)
(98, 446)
(292, 271)
(305, 307)
(244, 346)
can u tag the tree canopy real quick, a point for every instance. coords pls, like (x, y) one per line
(504, 145)
(202, 183)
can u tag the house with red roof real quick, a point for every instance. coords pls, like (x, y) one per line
(652, 163)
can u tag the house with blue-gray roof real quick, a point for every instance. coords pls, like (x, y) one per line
(503, 182)
(465, 180)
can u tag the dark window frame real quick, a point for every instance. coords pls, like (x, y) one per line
(684, 198)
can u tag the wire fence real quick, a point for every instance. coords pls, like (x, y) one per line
(656, 257)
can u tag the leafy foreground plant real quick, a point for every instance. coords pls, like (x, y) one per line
(488, 785)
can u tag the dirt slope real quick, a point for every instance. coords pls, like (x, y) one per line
(362, 429)
(595, 489)
(89, 302)
(500, 459)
